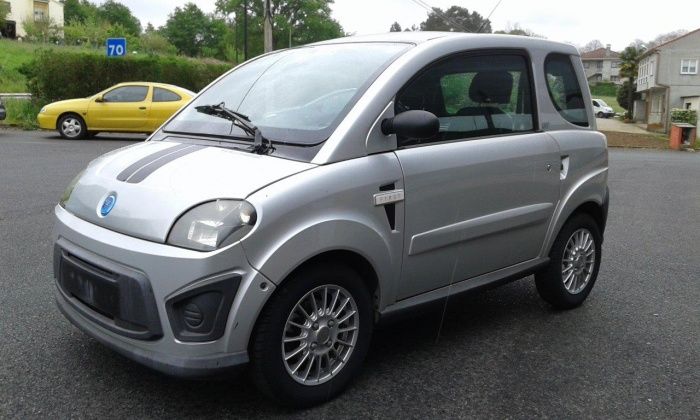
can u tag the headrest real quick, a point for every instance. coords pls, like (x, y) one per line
(492, 87)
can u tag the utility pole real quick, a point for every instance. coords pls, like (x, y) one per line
(245, 30)
(268, 27)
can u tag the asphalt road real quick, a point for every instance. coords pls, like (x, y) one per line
(631, 351)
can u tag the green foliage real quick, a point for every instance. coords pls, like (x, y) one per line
(21, 113)
(455, 19)
(689, 116)
(604, 89)
(78, 11)
(187, 29)
(117, 14)
(42, 30)
(155, 43)
(54, 76)
(395, 27)
(623, 95)
(4, 11)
(294, 22)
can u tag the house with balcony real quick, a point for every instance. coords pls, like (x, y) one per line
(668, 78)
(21, 10)
(602, 65)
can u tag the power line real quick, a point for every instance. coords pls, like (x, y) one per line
(489, 16)
(438, 12)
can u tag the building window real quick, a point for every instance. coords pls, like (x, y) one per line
(614, 78)
(689, 66)
(599, 65)
(615, 64)
(586, 64)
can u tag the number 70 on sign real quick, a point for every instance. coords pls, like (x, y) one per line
(116, 47)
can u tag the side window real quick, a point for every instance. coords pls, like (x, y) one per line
(127, 94)
(564, 89)
(164, 95)
(595, 103)
(472, 96)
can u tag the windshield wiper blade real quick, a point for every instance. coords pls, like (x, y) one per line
(261, 145)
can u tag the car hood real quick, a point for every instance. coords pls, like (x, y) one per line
(70, 103)
(157, 181)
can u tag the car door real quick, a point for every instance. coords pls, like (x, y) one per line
(164, 104)
(480, 194)
(124, 108)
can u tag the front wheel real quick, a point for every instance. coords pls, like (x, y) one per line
(312, 336)
(72, 127)
(600, 115)
(574, 263)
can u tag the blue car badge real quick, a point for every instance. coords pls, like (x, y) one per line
(108, 204)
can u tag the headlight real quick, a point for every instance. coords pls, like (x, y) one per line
(212, 225)
(69, 190)
(42, 110)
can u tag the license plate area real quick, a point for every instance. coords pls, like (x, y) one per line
(95, 288)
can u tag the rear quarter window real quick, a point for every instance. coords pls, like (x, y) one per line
(564, 89)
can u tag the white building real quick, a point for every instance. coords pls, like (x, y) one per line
(21, 10)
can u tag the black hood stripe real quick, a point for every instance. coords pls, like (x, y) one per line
(148, 169)
(126, 173)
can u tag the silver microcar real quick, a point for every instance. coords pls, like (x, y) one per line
(310, 193)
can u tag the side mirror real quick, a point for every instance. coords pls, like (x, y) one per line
(100, 99)
(412, 124)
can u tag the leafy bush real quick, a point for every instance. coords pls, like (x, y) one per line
(623, 95)
(54, 76)
(689, 116)
(21, 113)
(604, 89)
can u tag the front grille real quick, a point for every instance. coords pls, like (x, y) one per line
(108, 294)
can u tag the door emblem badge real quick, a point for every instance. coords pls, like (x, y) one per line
(108, 204)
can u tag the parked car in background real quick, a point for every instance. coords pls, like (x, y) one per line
(3, 112)
(312, 192)
(137, 107)
(601, 109)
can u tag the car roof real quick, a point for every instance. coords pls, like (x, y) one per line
(421, 37)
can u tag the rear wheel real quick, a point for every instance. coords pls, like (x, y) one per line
(72, 126)
(574, 263)
(312, 337)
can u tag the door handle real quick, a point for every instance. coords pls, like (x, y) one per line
(142, 108)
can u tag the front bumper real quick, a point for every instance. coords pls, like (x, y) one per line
(169, 272)
(3, 113)
(46, 121)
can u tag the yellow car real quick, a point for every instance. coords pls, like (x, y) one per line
(127, 108)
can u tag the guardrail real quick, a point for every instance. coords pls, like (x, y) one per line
(25, 96)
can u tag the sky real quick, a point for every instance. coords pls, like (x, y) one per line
(612, 22)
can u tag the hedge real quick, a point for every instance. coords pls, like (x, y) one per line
(604, 89)
(689, 116)
(53, 76)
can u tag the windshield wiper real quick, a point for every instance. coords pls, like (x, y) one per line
(261, 145)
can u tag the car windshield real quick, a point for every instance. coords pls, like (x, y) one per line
(602, 103)
(293, 96)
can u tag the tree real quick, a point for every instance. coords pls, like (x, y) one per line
(294, 22)
(186, 29)
(455, 19)
(591, 46)
(624, 93)
(663, 38)
(629, 66)
(41, 30)
(4, 11)
(395, 27)
(516, 29)
(117, 14)
(78, 11)
(154, 43)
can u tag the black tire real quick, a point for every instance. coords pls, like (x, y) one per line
(600, 114)
(267, 366)
(92, 134)
(550, 281)
(72, 127)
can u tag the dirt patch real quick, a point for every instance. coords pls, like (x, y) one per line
(646, 141)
